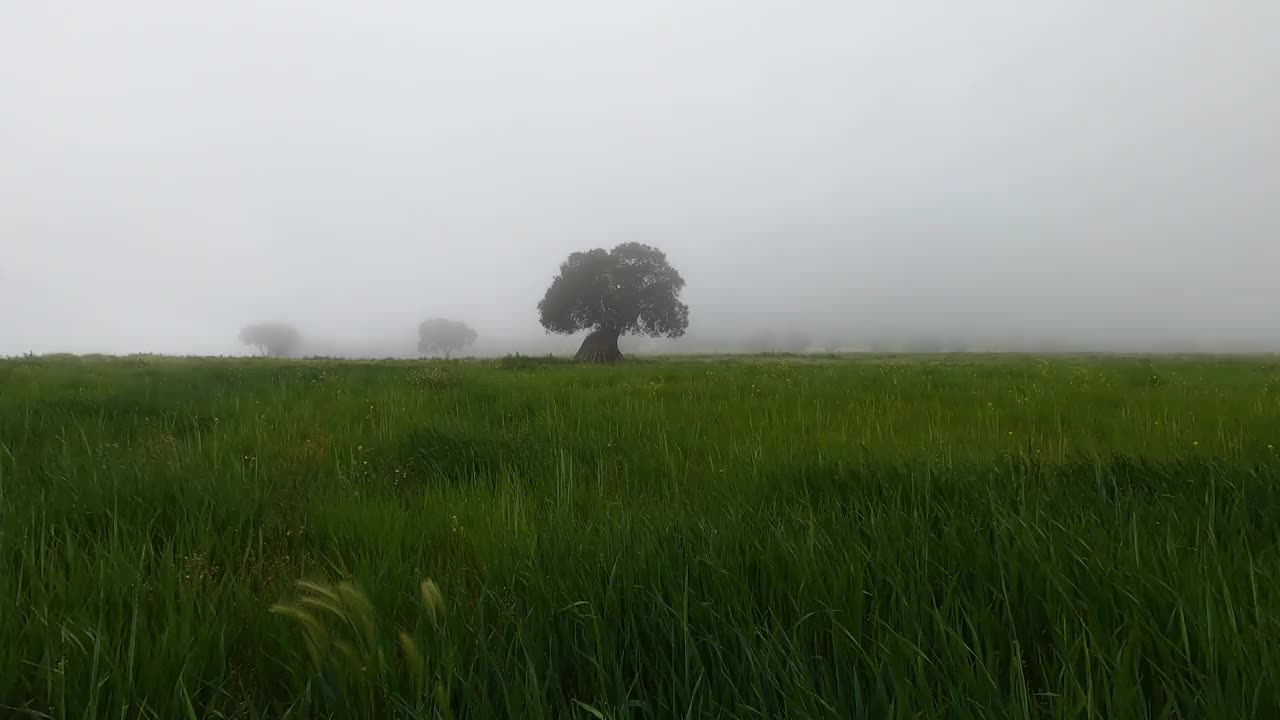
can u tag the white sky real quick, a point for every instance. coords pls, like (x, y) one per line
(170, 171)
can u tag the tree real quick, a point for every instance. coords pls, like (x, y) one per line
(438, 335)
(630, 289)
(272, 339)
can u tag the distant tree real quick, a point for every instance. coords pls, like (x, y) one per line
(272, 339)
(439, 335)
(630, 289)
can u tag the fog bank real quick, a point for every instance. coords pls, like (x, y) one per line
(983, 174)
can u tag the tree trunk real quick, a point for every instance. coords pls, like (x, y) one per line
(601, 346)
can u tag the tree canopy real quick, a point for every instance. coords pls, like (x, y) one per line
(631, 289)
(440, 335)
(273, 339)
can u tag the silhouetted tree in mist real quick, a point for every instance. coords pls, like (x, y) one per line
(438, 335)
(630, 289)
(272, 339)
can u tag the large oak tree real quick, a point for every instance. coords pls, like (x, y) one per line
(630, 289)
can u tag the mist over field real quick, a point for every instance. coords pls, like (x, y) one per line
(1057, 175)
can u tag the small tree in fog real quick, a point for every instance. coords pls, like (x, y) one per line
(272, 339)
(439, 335)
(630, 289)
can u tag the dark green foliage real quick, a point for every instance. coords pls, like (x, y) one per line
(456, 454)
(631, 289)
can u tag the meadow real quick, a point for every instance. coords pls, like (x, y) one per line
(760, 537)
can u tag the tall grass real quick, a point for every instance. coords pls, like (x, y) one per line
(895, 538)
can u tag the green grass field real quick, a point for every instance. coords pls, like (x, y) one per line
(750, 537)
